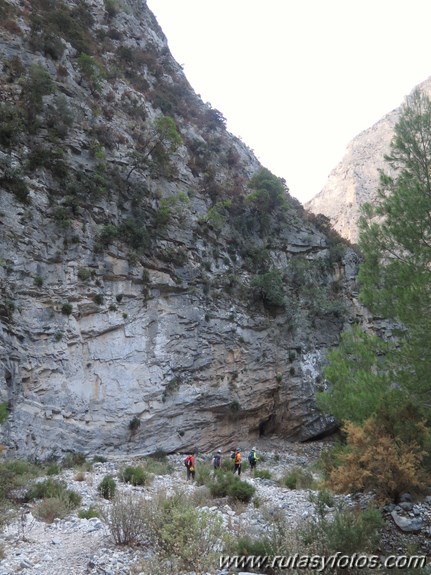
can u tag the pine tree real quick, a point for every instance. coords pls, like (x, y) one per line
(395, 278)
(395, 282)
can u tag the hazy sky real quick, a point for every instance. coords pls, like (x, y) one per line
(298, 79)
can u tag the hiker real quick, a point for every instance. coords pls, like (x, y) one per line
(189, 462)
(252, 459)
(217, 460)
(237, 461)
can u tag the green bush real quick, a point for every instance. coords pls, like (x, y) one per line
(346, 531)
(13, 182)
(11, 124)
(227, 464)
(99, 459)
(49, 24)
(84, 274)
(66, 308)
(158, 466)
(248, 546)
(107, 487)
(134, 424)
(4, 412)
(203, 474)
(112, 7)
(46, 488)
(135, 475)
(37, 84)
(269, 288)
(107, 235)
(53, 508)
(98, 299)
(125, 520)
(53, 469)
(182, 534)
(262, 473)
(89, 513)
(298, 478)
(91, 72)
(15, 474)
(53, 489)
(74, 459)
(228, 484)
(241, 490)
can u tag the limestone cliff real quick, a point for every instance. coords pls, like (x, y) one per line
(159, 288)
(355, 180)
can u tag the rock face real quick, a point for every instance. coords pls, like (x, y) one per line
(355, 180)
(152, 296)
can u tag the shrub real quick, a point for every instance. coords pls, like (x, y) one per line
(135, 475)
(227, 464)
(15, 474)
(183, 534)
(134, 233)
(74, 459)
(53, 469)
(125, 520)
(99, 459)
(66, 308)
(262, 473)
(378, 459)
(38, 84)
(107, 235)
(84, 274)
(107, 487)
(57, 490)
(298, 478)
(11, 124)
(241, 490)
(228, 484)
(13, 182)
(346, 531)
(91, 72)
(158, 466)
(269, 288)
(134, 424)
(234, 405)
(112, 7)
(248, 546)
(98, 299)
(52, 508)
(89, 513)
(203, 474)
(46, 489)
(3, 412)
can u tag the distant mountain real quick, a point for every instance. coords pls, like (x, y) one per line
(355, 180)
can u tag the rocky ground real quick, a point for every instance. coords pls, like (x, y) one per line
(75, 546)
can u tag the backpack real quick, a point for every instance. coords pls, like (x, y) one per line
(252, 456)
(237, 457)
(217, 460)
(188, 461)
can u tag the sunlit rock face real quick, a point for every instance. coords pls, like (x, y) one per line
(131, 315)
(355, 180)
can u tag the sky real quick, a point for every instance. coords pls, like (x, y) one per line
(296, 80)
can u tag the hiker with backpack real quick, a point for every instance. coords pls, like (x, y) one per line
(189, 462)
(252, 459)
(236, 456)
(217, 460)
